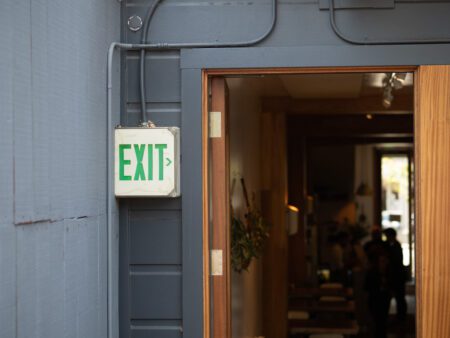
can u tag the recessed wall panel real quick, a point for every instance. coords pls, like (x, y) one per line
(155, 295)
(155, 237)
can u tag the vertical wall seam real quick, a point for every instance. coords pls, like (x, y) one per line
(16, 289)
(65, 273)
(32, 216)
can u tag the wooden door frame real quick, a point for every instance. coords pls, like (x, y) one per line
(421, 245)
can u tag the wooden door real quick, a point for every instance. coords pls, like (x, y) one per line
(220, 210)
(432, 141)
(273, 199)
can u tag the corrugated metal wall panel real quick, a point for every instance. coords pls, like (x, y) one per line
(22, 110)
(40, 112)
(40, 281)
(7, 125)
(52, 177)
(8, 282)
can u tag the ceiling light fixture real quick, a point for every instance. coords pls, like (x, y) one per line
(388, 97)
(392, 81)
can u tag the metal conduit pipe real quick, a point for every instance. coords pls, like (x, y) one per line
(109, 148)
(148, 19)
(345, 38)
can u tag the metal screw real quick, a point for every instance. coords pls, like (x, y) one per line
(134, 23)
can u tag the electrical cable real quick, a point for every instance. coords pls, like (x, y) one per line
(353, 41)
(147, 21)
(154, 46)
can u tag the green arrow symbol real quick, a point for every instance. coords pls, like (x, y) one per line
(169, 162)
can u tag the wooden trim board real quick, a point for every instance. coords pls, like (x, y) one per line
(432, 156)
(205, 193)
(220, 216)
(309, 70)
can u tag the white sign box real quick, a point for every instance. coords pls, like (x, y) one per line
(147, 162)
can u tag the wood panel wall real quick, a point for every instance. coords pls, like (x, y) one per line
(432, 127)
(274, 198)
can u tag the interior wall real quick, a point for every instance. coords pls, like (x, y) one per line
(331, 171)
(364, 172)
(297, 196)
(245, 152)
(336, 173)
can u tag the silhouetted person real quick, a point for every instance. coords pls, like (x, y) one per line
(378, 288)
(375, 247)
(377, 283)
(397, 275)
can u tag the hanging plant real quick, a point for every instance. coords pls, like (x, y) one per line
(247, 236)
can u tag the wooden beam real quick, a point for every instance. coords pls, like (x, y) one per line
(206, 211)
(352, 125)
(360, 140)
(359, 106)
(310, 70)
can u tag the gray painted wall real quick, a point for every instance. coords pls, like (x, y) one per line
(52, 172)
(52, 141)
(302, 38)
(300, 23)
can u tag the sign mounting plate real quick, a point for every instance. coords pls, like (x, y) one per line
(147, 162)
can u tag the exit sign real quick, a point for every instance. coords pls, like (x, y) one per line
(147, 162)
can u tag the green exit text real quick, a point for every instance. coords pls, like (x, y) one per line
(139, 152)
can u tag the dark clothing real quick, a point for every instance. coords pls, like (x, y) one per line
(377, 286)
(397, 276)
(394, 250)
(399, 293)
(385, 279)
(374, 249)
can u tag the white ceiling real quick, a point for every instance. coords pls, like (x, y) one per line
(312, 86)
(316, 86)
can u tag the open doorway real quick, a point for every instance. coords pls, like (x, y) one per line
(328, 130)
(395, 194)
